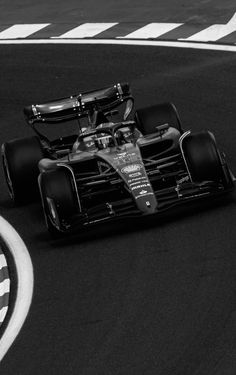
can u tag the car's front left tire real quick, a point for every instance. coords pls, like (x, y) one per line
(149, 118)
(202, 157)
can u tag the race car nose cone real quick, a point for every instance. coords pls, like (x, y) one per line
(146, 202)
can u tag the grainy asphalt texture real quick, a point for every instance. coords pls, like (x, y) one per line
(74, 11)
(137, 298)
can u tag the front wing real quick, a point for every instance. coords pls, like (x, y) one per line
(137, 189)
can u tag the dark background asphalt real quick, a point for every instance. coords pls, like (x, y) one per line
(139, 298)
(74, 11)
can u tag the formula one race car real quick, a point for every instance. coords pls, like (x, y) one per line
(113, 166)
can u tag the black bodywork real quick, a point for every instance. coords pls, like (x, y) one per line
(117, 170)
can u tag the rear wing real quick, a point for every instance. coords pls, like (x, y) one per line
(80, 105)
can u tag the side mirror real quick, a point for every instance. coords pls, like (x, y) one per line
(128, 109)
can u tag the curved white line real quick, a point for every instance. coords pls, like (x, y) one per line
(154, 43)
(3, 313)
(25, 278)
(4, 287)
(3, 262)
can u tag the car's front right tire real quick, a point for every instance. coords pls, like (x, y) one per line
(20, 159)
(59, 199)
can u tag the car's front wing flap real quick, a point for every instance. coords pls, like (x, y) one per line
(142, 196)
(167, 199)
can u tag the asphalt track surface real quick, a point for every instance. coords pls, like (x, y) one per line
(153, 297)
(72, 11)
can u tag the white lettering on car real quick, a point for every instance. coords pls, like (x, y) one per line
(131, 168)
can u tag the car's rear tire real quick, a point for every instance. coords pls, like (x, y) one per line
(59, 198)
(202, 157)
(147, 119)
(20, 164)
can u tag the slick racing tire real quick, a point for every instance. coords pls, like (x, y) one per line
(59, 198)
(149, 118)
(202, 157)
(20, 159)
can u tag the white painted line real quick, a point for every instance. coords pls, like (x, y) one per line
(152, 30)
(4, 287)
(3, 262)
(150, 43)
(3, 313)
(21, 30)
(87, 30)
(214, 32)
(24, 270)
